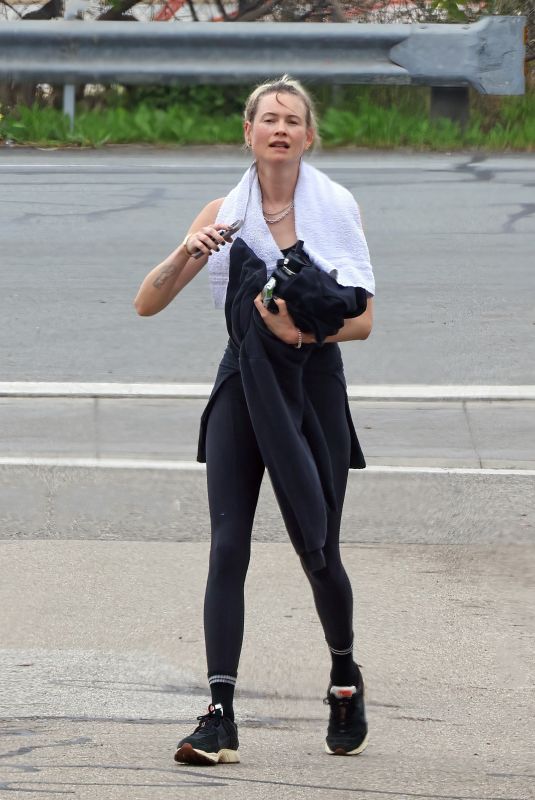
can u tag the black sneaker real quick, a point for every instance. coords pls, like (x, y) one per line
(214, 740)
(347, 734)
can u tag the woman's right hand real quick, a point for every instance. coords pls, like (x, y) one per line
(207, 239)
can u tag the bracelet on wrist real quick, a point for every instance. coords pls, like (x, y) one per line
(185, 243)
(299, 344)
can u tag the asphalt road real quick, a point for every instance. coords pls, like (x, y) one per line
(452, 241)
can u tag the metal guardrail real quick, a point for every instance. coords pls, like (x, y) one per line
(487, 55)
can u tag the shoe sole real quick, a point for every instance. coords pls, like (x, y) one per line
(189, 755)
(340, 751)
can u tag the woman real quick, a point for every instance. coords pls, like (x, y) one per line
(281, 199)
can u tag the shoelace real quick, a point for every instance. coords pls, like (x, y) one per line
(340, 707)
(208, 719)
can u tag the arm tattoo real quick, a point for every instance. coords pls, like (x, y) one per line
(164, 275)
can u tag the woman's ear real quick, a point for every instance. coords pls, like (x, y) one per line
(247, 132)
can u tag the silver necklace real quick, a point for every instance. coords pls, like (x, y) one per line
(271, 219)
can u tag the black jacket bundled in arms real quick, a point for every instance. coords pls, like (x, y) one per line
(289, 435)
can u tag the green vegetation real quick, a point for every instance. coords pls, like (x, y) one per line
(175, 125)
(509, 125)
(361, 116)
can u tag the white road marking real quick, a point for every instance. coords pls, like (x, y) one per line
(127, 161)
(101, 463)
(115, 166)
(201, 391)
(74, 389)
(194, 466)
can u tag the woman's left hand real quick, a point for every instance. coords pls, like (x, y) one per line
(281, 324)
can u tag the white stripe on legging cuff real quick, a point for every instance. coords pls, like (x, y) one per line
(222, 679)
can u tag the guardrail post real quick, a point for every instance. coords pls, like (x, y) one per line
(71, 10)
(452, 102)
(69, 100)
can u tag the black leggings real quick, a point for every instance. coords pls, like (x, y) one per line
(234, 472)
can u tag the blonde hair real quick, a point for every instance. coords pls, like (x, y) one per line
(283, 85)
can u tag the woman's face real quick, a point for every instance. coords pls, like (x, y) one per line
(279, 131)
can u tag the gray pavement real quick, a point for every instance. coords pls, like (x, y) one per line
(437, 434)
(77, 503)
(451, 236)
(103, 669)
(143, 482)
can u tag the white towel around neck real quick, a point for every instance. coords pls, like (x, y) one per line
(327, 219)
